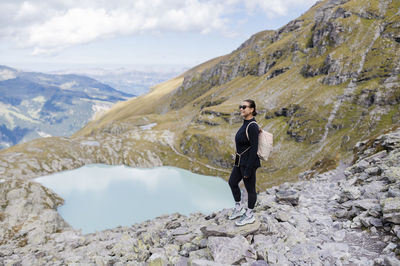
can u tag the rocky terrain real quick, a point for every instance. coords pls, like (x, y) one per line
(346, 216)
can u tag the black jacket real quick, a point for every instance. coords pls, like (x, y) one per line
(250, 158)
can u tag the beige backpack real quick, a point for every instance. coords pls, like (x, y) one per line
(265, 141)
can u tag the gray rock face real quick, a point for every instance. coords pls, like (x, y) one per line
(28, 213)
(391, 210)
(231, 250)
(289, 196)
(230, 229)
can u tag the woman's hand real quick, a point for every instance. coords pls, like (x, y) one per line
(247, 172)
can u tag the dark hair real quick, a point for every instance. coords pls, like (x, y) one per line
(252, 104)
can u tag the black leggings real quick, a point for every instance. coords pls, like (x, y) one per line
(249, 182)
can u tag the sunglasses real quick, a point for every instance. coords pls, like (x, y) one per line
(243, 106)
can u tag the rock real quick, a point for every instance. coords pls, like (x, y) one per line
(366, 204)
(356, 224)
(182, 239)
(304, 252)
(172, 250)
(187, 248)
(157, 259)
(199, 262)
(173, 225)
(379, 261)
(373, 230)
(338, 236)
(389, 248)
(288, 196)
(256, 263)
(373, 171)
(351, 193)
(374, 189)
(368, 221)
(376, 222)
(391, 261)
(358, 167)
(282, 216)
(339, 251)
(231, 250)
(341, 213)
(203, 254)
(180, 231)
(183, 261)
(394, 191)
(391, 210)
(262, 245)
(392, 174)
(396, 230)
(229, 229)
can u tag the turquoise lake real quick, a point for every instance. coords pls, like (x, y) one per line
(100, 196)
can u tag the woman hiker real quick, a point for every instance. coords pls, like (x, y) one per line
(246, 164)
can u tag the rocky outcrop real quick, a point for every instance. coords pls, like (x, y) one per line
(319, 221)
(28, 213)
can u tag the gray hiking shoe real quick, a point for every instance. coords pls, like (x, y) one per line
(236, 213)
(245, 220)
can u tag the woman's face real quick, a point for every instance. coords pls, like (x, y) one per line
(245, 111)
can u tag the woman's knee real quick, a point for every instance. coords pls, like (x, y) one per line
(232, 182)
(234, 179)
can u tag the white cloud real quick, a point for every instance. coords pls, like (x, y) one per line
(275, 8)
(49, 26)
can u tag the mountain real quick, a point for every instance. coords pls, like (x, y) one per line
(323, 82)
(36, 105)
(134, 80)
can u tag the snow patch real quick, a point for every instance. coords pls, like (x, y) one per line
(39, 99)
(5, 144)
(6, 74)
(68, 85)
(43, 134)
(147, 127)
(90, 143)
(10, 113)
(99, 108)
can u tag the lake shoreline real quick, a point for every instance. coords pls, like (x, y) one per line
(99, 197)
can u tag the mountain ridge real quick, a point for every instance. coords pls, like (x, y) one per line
(321, 83)
(35, 104)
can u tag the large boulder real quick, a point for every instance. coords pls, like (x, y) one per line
(231, 250)
(288, 196)
(229, 229)
(391, 210)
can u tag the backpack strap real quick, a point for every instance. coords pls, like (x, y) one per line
(247, 128)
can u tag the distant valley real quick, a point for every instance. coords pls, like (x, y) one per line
(34, 105)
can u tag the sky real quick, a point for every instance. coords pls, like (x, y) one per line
(47, 35)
